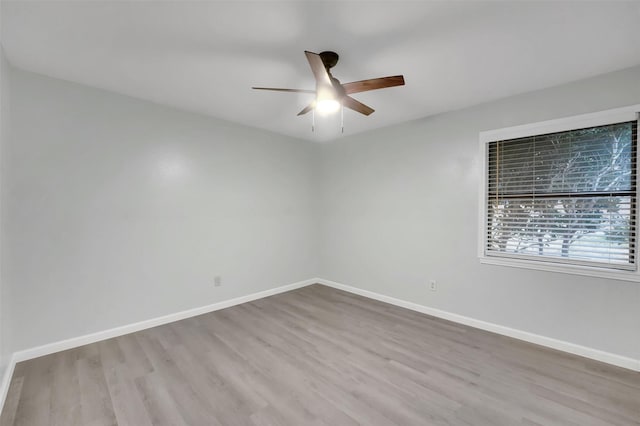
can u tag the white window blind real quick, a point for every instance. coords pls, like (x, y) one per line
(565, 197)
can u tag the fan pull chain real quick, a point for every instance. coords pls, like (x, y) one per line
(342, 117)
(313, 120)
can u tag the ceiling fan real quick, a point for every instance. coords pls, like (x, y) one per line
(330, 93)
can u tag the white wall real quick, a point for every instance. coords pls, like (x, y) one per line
(119, 210)
(401, 208)
(4, 134)
(116, 210)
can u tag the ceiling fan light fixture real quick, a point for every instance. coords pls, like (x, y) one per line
(326, 100)
(327, 106)
(331, 95)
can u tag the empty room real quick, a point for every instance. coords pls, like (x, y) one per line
(264, 213)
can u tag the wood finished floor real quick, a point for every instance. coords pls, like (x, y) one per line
(318, 356)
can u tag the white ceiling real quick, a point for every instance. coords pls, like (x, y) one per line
(205, 56)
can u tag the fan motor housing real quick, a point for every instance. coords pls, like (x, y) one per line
(329, 59)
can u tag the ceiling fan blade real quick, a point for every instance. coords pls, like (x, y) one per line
(318, 69)
(307, 108)
(357, 106)
(284, 90)
(373, 84)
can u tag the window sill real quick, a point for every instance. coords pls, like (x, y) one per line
(562, 268)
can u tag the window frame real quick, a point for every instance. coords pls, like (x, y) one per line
(601, 118)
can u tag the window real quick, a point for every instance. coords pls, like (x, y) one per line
(563, 197)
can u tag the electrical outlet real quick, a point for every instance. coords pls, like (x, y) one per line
(433, 286)
(217, 281)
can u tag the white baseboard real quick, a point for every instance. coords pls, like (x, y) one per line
(596, 354)
(154, 322)
(5, 381)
